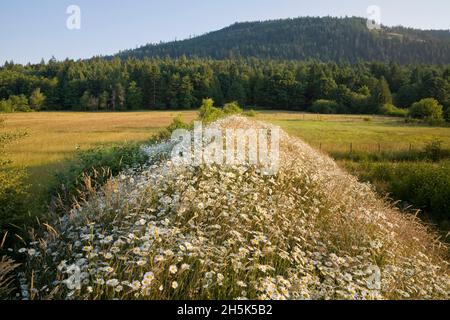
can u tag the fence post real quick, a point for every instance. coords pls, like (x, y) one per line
(351, 147)
(379, 148)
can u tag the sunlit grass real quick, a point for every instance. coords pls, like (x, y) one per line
(54, 138)
(169, 231)
(336, 132)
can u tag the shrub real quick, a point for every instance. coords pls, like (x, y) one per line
(91, 169)
(6, 106)
(178, 123)
(232, 108)
(393, 111)
(209, 113)
(15, 104)
(250, 113)
(428, 109)
(37, 99)
(434, 151)
(423, 185)
(20, 103)
(325, 107)
(165, 134)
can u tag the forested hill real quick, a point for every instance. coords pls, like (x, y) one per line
(326, 39)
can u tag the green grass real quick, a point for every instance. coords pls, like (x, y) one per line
(335, 133)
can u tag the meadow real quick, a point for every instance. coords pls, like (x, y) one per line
(335, 133)
(168, 232)
(55, 138)
(197, 209)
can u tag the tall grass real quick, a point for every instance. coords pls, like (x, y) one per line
(228, 232)
(7, 268)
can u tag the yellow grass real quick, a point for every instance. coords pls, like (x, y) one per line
(53, 138)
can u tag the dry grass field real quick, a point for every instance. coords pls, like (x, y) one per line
(53, 138)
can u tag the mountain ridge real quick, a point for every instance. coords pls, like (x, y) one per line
(323, 38)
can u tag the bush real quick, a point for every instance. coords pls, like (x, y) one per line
(423, 185)
(15, 104)
(166, 133)
(232, 108)
(6, 106)
(325, 107)
(209, 113)
(393, 111)
(427, 109)
(91, 169)
(250, 113)
(434, 151)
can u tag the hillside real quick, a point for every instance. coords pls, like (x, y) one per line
(169, 231)
(327, 39)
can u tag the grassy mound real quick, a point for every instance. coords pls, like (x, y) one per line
(312, 231)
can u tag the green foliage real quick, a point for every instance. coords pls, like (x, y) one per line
(434, 151)
(87, 102)
(250, 113)
(427, 109)
(407, 95)
(6, 106)
(91, 169)
(15, 104)
(381, 95)
(308, 38)
(232, 108)
(37, 99)
(134, 97)
(393, 111)
(208, 113)
(110, 85)
(325, 107)
(423, 185)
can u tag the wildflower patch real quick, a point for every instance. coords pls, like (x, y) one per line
(226, 231)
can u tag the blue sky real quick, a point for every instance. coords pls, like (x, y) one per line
(31, 30)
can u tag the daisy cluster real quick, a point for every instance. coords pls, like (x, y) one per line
(311, 231)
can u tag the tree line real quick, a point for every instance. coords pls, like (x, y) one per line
(160, 84)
